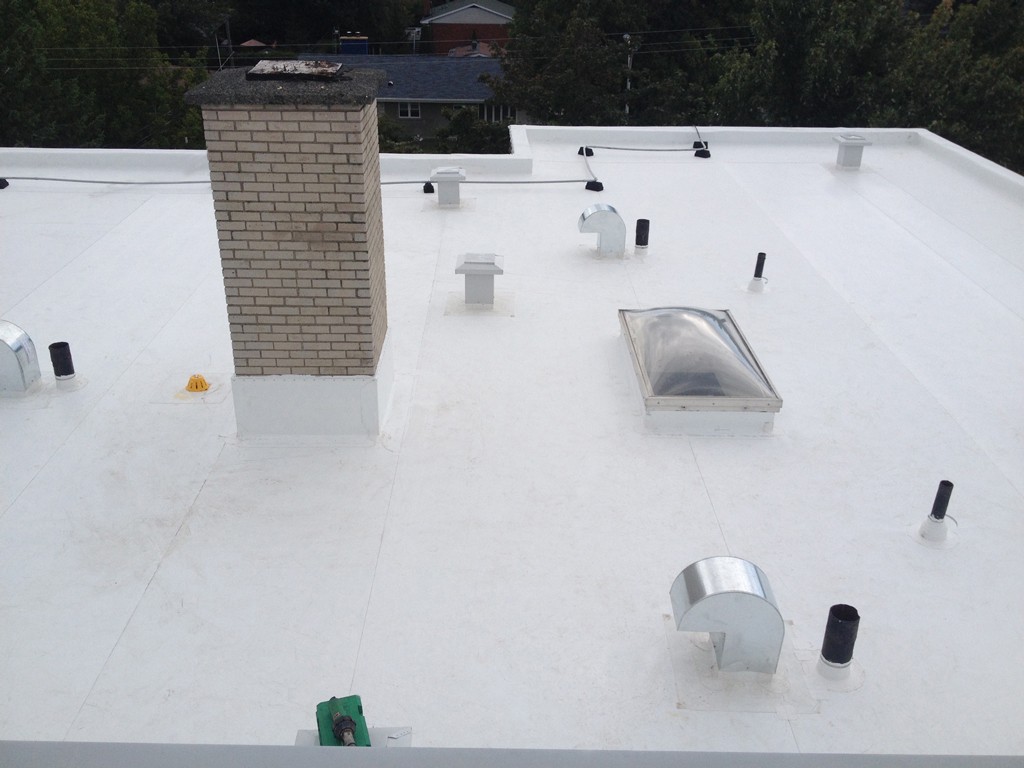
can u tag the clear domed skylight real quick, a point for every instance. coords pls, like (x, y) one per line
(695, 359)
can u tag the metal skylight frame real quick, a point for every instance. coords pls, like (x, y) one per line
(734, 352)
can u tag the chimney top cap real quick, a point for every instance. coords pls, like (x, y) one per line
(231, 86)
(270, 69)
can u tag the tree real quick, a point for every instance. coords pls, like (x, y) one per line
(566, 62)
(962, 77)
(90, 74)
(816, 62)
(466, 132)
(188, 26)
(301, 24)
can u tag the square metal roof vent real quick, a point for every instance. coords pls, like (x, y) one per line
(691, 359)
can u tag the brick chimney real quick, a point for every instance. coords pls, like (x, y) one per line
(294, 167)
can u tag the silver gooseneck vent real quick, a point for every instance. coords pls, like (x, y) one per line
(730, 598)
(609, 226)
(19, 365)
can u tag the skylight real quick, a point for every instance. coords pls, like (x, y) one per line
(696, 359)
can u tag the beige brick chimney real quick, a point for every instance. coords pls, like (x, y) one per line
(294, 167)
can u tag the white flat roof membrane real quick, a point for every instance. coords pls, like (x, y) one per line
(493, 569)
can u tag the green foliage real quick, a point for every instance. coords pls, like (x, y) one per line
(564, 64)
(816, 62)
(467, 133)
(963, 78)
(393, 137)
(40, 110)
(188, 24)
(89, 74)
(302, 23)
(113, 72)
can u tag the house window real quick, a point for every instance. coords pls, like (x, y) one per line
(409, 109)
(497, 113)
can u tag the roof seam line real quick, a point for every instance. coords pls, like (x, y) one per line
(160, 563)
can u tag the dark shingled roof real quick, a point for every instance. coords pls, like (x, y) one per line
(425, 78)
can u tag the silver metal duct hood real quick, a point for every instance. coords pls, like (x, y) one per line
(730, 598)
(19, 365)
(609, 226)
(695, 359)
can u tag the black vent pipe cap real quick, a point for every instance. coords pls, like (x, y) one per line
(585, 151)
(702, 153)
(759, 269)
(428, 188)
(840, 634)
(942, 499)
(643, 232)
(60, 356)
(595, 186)
(4, 183)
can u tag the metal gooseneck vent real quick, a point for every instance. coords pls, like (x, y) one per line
(609, 226)
(730, 598)
(19, 364)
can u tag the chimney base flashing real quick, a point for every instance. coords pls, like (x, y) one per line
(313, 405)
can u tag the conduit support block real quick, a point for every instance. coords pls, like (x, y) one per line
(851, 150)
(609, 226)
(447, 181)
(19, 364)
(479, 269)
(730, 599)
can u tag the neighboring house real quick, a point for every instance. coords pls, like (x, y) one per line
(474, 49)
(418, 88)
(460, 22)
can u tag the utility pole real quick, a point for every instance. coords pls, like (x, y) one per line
(629, 68)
